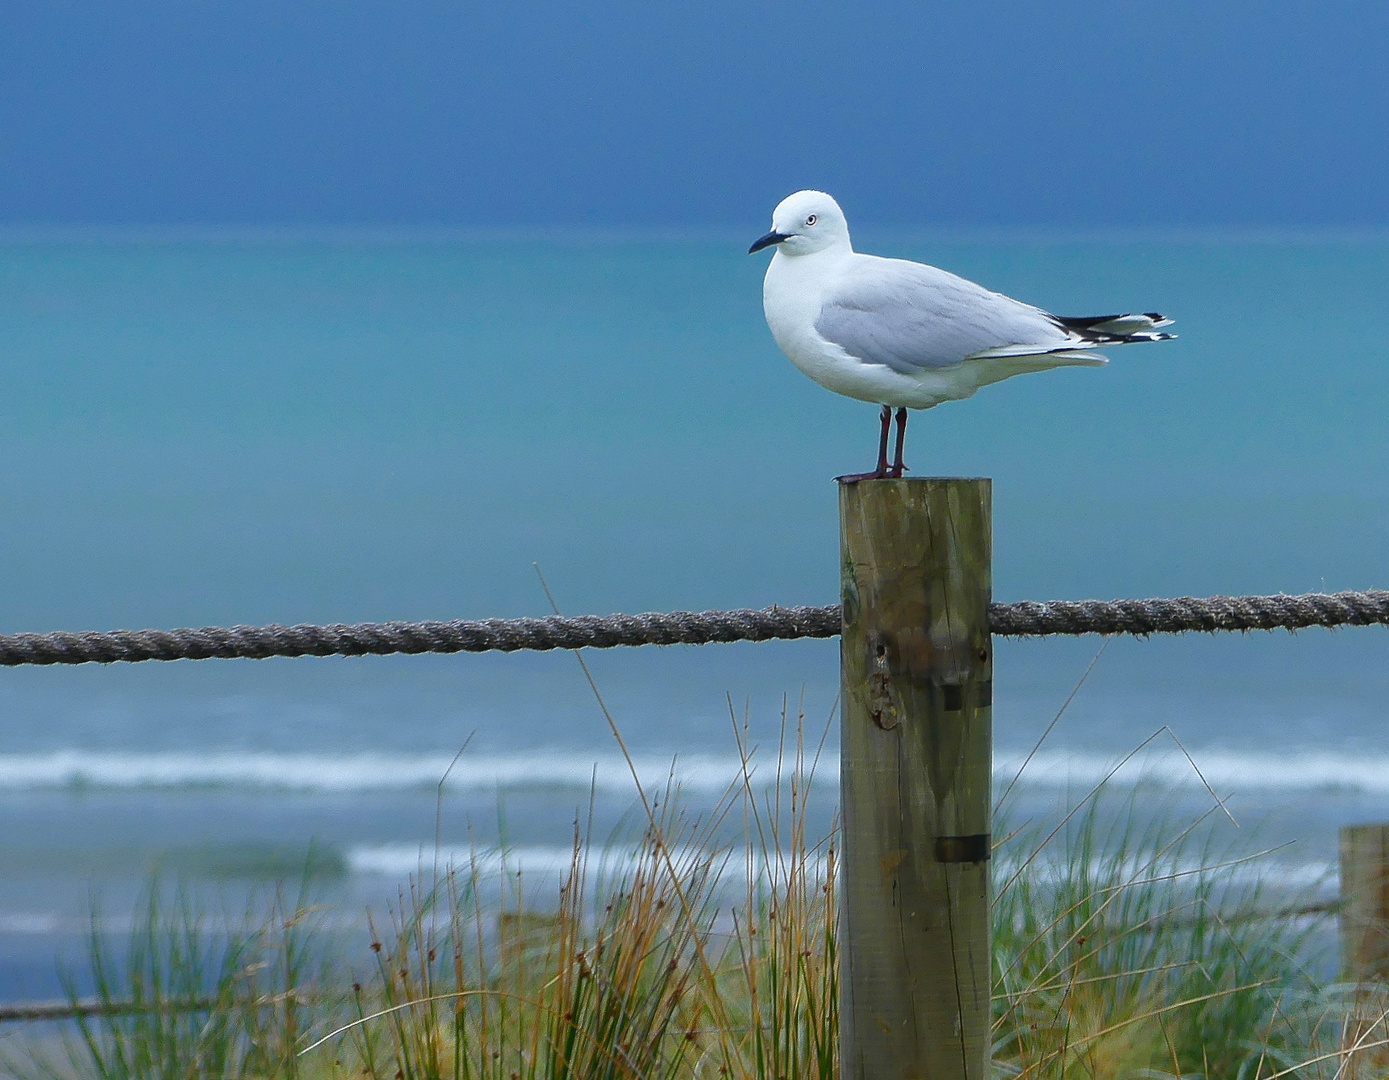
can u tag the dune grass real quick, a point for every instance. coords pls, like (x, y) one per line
(1123, 947)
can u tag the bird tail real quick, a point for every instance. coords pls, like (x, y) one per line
(1116, 329)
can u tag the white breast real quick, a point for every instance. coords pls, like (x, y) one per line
(792, 296)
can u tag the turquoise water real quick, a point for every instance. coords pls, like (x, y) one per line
(286, 430)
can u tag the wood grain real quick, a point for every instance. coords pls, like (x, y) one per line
(917, 669)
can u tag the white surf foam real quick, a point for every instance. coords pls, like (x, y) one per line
(708, 774)
(362, 772)
(1224, 770)
(553, 863)
(401, 860)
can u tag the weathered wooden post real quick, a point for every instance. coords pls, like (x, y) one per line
(1365, 904)
(917, 670)
(1365, 947)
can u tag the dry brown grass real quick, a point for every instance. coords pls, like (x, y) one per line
(690, 955)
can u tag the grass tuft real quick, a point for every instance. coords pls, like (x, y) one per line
(706, 947)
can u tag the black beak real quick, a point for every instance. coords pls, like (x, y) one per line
(767, 241)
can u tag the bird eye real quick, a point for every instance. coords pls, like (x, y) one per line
(812, 219)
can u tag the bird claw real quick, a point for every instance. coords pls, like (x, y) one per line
(893, 473)
(854, 478)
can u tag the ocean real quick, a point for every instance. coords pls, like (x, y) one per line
(257, 427)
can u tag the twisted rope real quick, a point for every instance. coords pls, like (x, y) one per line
(1026, 619)
(380, 639)
(1030, 618)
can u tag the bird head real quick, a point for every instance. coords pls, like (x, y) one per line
(804, 223)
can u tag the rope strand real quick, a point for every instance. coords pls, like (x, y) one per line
(1028, 618)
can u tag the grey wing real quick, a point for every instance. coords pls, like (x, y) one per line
(909, 316)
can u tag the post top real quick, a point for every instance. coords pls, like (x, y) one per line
(923, 480)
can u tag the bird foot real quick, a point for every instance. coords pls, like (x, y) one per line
(886, 473)
(854, 478)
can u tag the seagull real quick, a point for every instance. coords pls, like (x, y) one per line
(906, 335)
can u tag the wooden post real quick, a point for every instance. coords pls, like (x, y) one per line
(917, 670)
(1365, 903)
(1365, 946)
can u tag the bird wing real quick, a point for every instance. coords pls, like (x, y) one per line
(909, 316)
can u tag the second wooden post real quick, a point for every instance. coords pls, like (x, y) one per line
(1365, 896)
(1365, 948)
(917, 670)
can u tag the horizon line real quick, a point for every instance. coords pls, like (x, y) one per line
(449, 233)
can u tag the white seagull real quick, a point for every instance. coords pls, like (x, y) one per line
(904, 334)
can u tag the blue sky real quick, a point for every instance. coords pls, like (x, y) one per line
(618, 113)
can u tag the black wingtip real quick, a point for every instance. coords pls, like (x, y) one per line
(1083, 322)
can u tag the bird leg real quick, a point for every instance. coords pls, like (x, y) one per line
(897, 467)
(882, 470)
